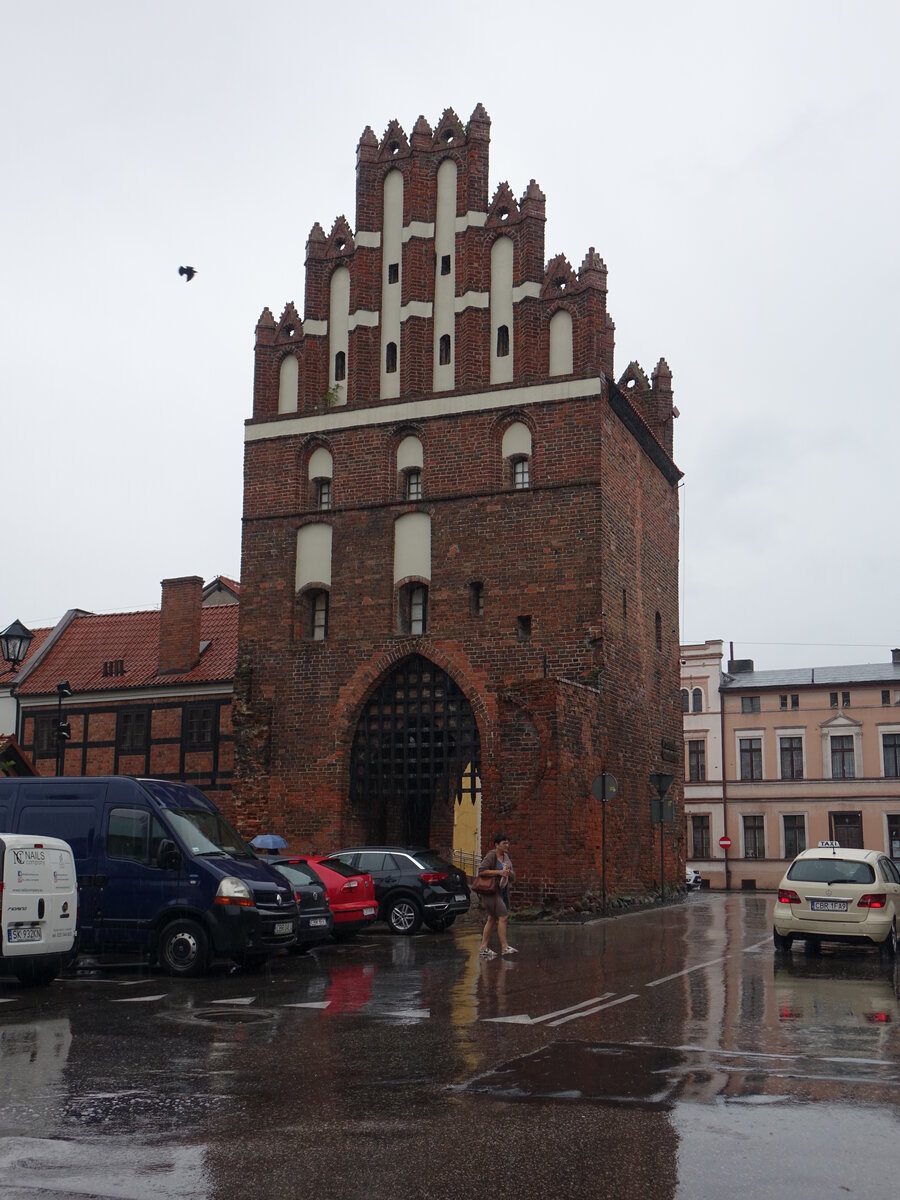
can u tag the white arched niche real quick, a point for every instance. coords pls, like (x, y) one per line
(313, 556)
(288, 384)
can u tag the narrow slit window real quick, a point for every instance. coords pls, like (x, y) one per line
(340, 366)
(319, 616)
(444, 350)
(476, 599)
(393, 272)
(523, 628)
(414, 484)
(390, 358)
(445, 264)
(503, 341)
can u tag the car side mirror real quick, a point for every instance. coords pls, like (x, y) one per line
(168, 856)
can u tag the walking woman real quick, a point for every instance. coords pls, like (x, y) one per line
(496, 863)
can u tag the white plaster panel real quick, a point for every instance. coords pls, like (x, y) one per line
(392, 244)
(421, 229)
(476, 219)
(529, 290)
(502, 307)
(516, 440)
(315, 328)
(472, 300)
(288, 381)
(435, 406)
(339, 323)
(362, 316)
(412, 546)
(321, 465)
(561, 343)
(370, 238)
(409, 454)
(313, 555)
(445, 285)
(415, 308)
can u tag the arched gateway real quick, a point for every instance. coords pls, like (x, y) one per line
(416, 750)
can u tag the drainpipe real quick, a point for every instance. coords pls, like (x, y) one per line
(724, 779)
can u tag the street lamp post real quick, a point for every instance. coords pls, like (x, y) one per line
(14, 642)
(63, 732)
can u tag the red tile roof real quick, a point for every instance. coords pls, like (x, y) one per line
(94, 639)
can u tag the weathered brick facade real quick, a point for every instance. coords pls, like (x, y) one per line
(551, 595)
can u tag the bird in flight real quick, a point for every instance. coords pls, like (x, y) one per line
(188, 273)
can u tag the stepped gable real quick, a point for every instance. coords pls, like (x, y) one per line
(422, 134)
(450, 130)
(592, 272)
(559, 279)
(504, 209)
(394, 143)
(340, 242)
(290, 326)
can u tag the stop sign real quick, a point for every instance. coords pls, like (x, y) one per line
(725, 842)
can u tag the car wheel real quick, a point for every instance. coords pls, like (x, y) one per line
(37, 974)
(184, 948)
(783, 941)
(889, 946)
(404, 916)
(813, 947)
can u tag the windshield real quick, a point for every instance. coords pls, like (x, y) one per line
(207, 833)
(831, 870)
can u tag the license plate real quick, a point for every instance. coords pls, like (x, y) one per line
(461, 898)
(317, 922)
(283, 927)
(24, 935)
(828, 905)
(368, 912)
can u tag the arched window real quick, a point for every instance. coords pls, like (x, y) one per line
(444, 350)
(503, 341)
(321, 470)
(685, 700)
(516, 451)
(410, 460)
(390, 358)
(561, 343)
(340, 366)
(697, 700)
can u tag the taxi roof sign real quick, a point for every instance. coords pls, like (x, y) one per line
(829, 845)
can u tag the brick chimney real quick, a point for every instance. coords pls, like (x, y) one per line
(179, 625)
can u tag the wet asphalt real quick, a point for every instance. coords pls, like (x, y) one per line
(664, 1054)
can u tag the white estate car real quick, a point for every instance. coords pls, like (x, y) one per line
(692, 878)
(832, 894)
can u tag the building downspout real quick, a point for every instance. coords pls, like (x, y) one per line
(724, 779)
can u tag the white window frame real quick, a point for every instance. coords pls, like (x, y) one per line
(792, 732)
(883, 729)
(739, 736)
(793, 812)
(843, 728)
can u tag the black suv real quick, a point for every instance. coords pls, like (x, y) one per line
(411, 885)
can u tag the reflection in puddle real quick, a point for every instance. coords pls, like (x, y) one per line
(634, 1075)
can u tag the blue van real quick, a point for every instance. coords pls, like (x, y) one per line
(159, 868)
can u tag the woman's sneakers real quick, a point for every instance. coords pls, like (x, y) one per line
(488, 954)
(510, 950)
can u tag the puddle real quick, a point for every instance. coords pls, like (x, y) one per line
(634, 1075)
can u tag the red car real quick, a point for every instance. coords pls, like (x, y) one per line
(351, 894)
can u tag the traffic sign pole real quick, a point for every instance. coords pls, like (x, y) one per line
(725, 844)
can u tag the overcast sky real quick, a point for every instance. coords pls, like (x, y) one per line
(736, 168)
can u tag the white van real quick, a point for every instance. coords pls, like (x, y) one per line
(38, 906)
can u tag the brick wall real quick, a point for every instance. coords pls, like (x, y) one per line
(589, 552)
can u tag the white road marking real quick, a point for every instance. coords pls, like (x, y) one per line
(759, 945)
(138, 999)
(687, 971)
(524, 1019)
(8, 999)
(236, 1000)
(309, 1004)
(418, 1013)
(590, 1011)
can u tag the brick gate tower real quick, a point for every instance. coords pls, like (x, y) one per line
(460, 541)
